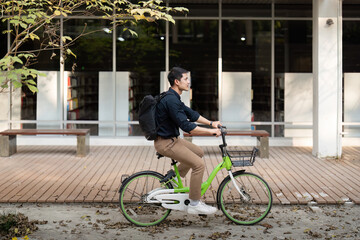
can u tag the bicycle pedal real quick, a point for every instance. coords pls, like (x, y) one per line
(169, 175)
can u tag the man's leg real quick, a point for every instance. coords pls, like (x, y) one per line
(175, 149)
(184, 168)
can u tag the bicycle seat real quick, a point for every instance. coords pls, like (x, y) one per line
(159, 155)
(173, 162)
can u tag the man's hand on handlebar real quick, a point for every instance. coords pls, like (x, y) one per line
(216, 124)
(216, 132)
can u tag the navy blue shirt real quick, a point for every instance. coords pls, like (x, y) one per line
(172, 114)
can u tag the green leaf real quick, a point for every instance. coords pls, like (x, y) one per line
(32, 82)
(12, 76)
(181, 9)
(28, 20)
(57, 13)
(5, 60)
(16, 59)
(2, 79)
(23, 25)
(64, 38)
(16, 84)
(133, 33)
(68, 51)
(26, 55)
(6, 31)
(15, 22)
(32, 88)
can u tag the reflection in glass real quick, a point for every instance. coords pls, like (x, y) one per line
(209, 8)
(351, 69)
(350, 9)
(194, 46)
(293, 75)
(46, 104)
(140, 60)
(3, 39)
(4, 97)
(84, 73)
(300, 9)
(233, 9)
(247, 54)
(351, 46)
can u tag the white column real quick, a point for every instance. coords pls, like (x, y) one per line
(236, 100)
(106, 103)
(5, 110)
(327, 71)
(48, 105)
(16, 107)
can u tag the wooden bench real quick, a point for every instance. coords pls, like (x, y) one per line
(8, 139)
(261, 135)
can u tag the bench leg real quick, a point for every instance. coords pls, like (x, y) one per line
(7, 145)
(263, 146)
(83, 146)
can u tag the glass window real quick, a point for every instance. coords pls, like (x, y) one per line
(247, 63)
(88, 70)
(294, 9)
(140, 60)
(3, 39)
(351, 46)
(293, 75)
(46, 104)
(209, 8)
(4, 97)
(350, 9)
(351, 69)
(194, 46)
(244, 9)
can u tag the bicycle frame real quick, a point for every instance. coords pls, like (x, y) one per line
(226, 163)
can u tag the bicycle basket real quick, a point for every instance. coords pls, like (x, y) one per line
(243, 158)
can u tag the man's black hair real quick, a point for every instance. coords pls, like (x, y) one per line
(176, 73)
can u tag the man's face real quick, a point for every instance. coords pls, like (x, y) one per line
(184, 83)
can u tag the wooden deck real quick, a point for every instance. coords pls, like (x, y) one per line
(55, 174)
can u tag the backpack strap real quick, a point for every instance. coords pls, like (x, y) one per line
(158, 99)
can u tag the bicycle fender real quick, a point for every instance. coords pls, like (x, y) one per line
(123, 184)
(218, 194)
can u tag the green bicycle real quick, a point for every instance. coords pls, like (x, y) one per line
(147, 197)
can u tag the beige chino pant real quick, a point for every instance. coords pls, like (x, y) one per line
(189, 156)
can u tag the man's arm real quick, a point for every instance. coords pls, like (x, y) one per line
(202, 130)
(204, 121)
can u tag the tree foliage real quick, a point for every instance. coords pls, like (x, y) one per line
(27, 17)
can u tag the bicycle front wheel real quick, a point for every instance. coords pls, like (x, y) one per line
(133, 204)
(252, 205)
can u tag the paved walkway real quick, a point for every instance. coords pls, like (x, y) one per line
(55, 174)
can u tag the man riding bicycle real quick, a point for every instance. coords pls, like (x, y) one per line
(172, 114)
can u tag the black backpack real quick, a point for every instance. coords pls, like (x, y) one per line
(147, 111)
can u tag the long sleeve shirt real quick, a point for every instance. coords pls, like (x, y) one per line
(172, 114)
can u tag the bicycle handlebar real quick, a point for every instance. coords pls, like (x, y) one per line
(223, 133)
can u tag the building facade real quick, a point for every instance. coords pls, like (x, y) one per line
(260, 64)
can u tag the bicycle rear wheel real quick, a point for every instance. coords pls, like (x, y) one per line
(251, 209)
(133, 193)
